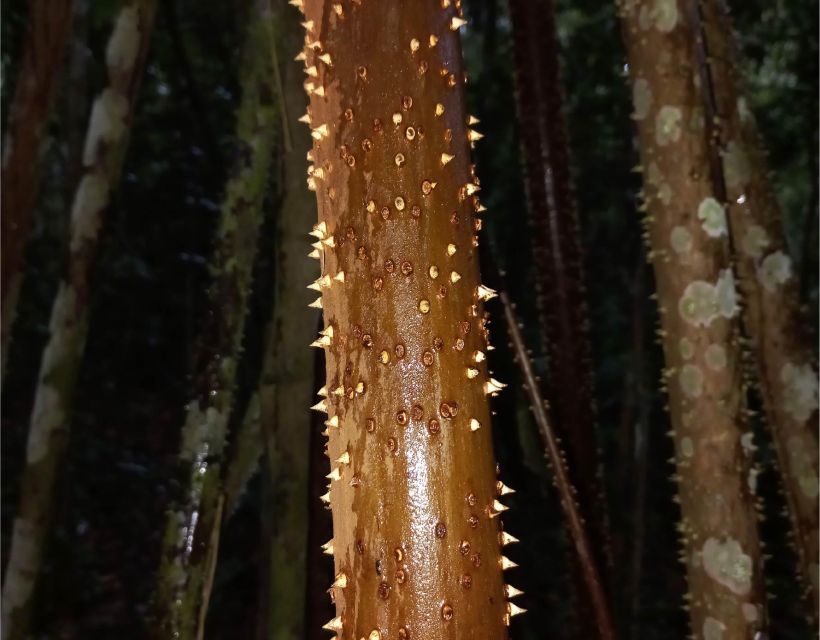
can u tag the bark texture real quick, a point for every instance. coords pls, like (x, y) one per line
(559, 276)
(688, 240)
(103, 154)
(413, 488)
(774, 321)
(49, 29)
(188, 554)
(286, 384)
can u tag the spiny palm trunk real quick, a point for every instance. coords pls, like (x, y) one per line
(286, 384)
(103, 155)
(49, 29)
(559, 270)
(188, 553)
(413, 488)
(687, 233)
(787, 374)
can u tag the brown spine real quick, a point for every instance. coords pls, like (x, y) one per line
(413, 490)
(689, 248)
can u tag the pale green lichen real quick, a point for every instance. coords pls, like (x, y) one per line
(715, 357)
(755, 240)
(665, 15)
(687, 447)
(86, 214)
(801, 462)
(736, 167)
(775, 270)
(686, 348)
(691, 380)
(725, 562)
(668, 125)
(641, 98)
(123, 46)
(713, 215)
(680, 239)
(713, 629)
(107, 123)
(702, 302)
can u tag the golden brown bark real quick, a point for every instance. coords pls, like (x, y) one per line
(687, 234)
(49, 28)
(774, 321)
(414, 493)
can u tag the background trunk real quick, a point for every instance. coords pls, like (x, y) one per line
(188, 553)
(687, 234)
(286, 385)
(49, 28)
(559, 271)
(768, 279)
(413, 483)
(105, 146)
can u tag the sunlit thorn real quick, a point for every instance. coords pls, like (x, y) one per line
(439, 109)
(319, 230)
(327, 331)
(414, 45)
(300, 57)
(506, 563)
(485, 293)
(315, 254)
(312, 71)
(321, 343)
(511, 592)
(322, 392)
(305, 118)
(308, 25)
(330, 241)
(320, 406)
(325, 57)
(339, 277)
(334, 474)
(455, 276)
(478, 356)
(333, 421)
(475, 425)
(334, 625)
(506, 539)
(325, 497)
(493, 386)
(317, 245)
(473, 135)
(432, 41)
(472, 372)
(514, 610)
(497, 508)
(472, 120)
(341, 580)
(471, 188)
(344, 458)
(339, 391)
(445, 158)
(320, 132)
(327, 548)
(320, 91)
(503, 489)
(456, 23)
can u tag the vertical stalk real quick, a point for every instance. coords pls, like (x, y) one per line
(48, 32)
(689, 248)
(416, 538)
(768, 280)
(559, 278)
(188, 554)
(286, 384)
(105, 146)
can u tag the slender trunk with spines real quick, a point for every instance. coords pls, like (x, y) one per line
(188, 555)
(768, 279)
(688, 241)
(103, 156)
(559, 277)
(416, 538)
(48, 32)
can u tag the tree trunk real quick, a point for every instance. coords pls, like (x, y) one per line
(188, 554)
(286, 384)
(105, 146)
(559, 269)
(687, 233)
(414, 495)
(778, 328)
(49, 28)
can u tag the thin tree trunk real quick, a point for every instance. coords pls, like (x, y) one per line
(49, 29)
(286, 384)
(559, 269)
(187, 553)
(768, 279)
(103, 156)
(414, 495)
(689, 248)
